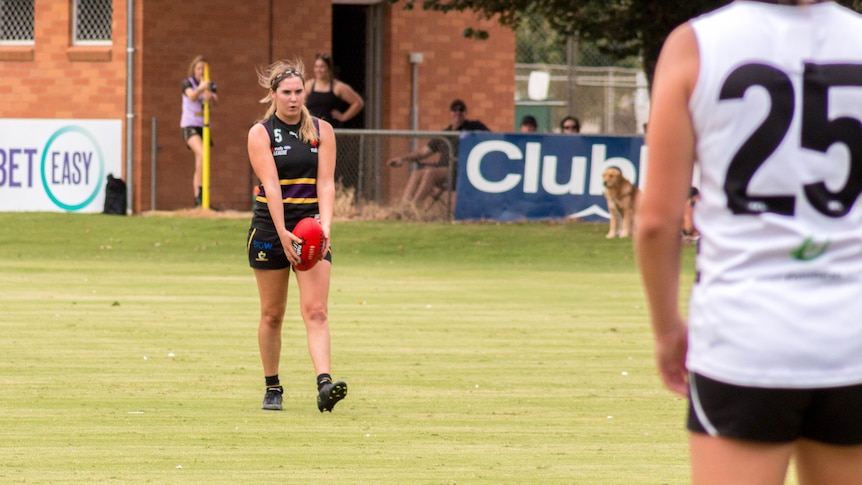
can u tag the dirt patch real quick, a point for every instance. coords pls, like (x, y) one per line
(345, 208)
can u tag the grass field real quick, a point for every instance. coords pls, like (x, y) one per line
(474, 353)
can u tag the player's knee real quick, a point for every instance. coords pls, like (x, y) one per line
(272, 319)
(315, 314)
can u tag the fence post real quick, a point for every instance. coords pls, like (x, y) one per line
(572, 63)
(154, 148)
(416, 58)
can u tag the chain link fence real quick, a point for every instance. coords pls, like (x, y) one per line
(556, 77)
(606, 100)
(368, 187)
(609, 96)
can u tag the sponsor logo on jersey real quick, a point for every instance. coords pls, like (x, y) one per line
(809, 250)
(261, 244)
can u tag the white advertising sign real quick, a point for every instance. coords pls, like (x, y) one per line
(57, 165)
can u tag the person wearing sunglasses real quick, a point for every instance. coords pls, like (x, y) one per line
(459, 121)
(326, 96)
(570, 125)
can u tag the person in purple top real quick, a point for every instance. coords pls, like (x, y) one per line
(195, 92)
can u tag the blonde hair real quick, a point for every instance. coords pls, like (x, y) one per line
(270, 78)
(198, 58)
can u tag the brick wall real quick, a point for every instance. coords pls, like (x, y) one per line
(55, 80)
(237, 38)
(480, 72)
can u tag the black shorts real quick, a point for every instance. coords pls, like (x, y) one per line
(826, 415)
(266, 252)
(190, 131)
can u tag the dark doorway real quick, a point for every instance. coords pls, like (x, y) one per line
(349, 51)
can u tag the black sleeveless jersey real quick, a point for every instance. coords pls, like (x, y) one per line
(296, 162)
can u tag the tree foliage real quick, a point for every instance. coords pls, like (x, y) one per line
(622, 28)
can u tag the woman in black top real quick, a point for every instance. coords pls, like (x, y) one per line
(293, 155)
(325, 94)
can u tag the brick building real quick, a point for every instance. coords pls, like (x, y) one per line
(54, 76)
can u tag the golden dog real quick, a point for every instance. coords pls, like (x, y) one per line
(620, 194)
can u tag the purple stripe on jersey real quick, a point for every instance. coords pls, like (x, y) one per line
(303, 191)
(299, 191)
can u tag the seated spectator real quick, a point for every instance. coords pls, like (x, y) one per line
(430, 169)
(529, 124)
(427, 175)
(570, 125)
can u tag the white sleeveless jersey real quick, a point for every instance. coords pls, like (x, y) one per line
(777, 111)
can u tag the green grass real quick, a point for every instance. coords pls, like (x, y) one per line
(475, 354)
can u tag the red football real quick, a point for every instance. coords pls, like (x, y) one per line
(311, 233)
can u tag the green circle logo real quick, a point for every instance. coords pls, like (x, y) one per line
(68, 173)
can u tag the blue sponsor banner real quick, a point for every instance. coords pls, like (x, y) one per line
(513, 177)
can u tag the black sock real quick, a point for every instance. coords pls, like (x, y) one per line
(272, 381)
(322, 380)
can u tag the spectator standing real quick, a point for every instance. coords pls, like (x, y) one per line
(529, 124)
(570, 125)
(195, 92)
(325, 95)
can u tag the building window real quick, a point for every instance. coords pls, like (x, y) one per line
(16, 22)
(92, 22)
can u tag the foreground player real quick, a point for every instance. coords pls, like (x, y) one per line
(768, 99)
(293, 155)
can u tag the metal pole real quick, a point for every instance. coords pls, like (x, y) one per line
(154, 147)
(130, 102)
(609, 103)
(415, 59)
(572, 61)
(360, 184)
